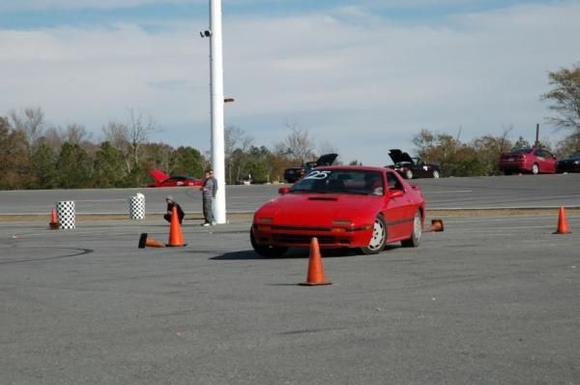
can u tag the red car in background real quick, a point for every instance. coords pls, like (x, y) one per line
(344, 207)
(528, 160)
(164, 180)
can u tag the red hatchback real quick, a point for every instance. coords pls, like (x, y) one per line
(528, 160)
(343, 206)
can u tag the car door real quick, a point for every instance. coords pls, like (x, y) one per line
(551, 161)
(397, 213)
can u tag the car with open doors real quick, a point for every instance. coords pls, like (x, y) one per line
(412, 167)
(344, 207)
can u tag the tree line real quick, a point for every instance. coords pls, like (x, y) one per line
(34, 155)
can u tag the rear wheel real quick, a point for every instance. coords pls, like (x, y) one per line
(378, 239)
(417, 232)
(535, 169)
(266, 250)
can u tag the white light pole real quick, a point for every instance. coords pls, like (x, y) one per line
(217, 108)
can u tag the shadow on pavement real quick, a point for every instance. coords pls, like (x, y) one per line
(290, 254)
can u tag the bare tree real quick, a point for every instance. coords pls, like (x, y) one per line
(237, 144)
(298, 143)
(30, 121)
(76, 134)
(565, 98)
(130, 137)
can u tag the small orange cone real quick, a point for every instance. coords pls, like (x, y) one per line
(562, 223)
(146, 241)
(175, 234)
(53, 225)
(315, 275)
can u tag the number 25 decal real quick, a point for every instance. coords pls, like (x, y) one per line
(318, 175)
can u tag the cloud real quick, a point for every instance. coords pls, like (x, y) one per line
(356, 81)
(38, 5)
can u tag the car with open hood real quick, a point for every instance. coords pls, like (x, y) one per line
(344, 207)
(161, 179)
(293, 174)
(412, 167)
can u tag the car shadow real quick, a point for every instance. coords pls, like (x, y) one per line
(291, 254)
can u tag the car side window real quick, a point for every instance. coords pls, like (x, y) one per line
(394, 182)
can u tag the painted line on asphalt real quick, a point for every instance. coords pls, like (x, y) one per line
(449, 192)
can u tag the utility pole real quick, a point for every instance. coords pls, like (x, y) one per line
(217, 108)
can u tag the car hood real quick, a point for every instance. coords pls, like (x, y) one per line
(298, 209)
(326, 160)
(399, 156)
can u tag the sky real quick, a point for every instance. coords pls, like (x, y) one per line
(360, 77)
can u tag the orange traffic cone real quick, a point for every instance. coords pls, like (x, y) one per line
(175, 234)
(315, 269)
(53, 225)
(146, 241)
(562, 223)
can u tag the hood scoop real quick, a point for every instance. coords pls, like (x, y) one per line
(331, 199)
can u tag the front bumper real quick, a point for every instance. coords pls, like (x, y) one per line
(301, 236)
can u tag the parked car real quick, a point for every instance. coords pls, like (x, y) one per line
(570, 164)
(533, 160)
(163, 180)
(293, 174)
(413, 167)
(344, 207)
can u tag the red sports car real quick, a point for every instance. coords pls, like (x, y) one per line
(164, 180)
(343, 206)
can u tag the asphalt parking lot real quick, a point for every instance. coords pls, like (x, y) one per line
(489, 301)
(492, 300)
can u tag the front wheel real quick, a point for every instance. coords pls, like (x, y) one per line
(408, 174)
(378, 239)
(435, 174)
(535, 169)
(417, 232)
(266, 250)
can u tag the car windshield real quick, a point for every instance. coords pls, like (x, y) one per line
(341, 181)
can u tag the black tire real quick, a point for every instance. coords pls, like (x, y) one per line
(266, 250)
(415, 239)
(535, 169)
(379, 238)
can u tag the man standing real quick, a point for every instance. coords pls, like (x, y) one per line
(209, 191)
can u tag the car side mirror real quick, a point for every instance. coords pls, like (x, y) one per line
(283, 190)
(396, 193)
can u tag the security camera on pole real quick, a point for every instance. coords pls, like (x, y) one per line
(217, 107)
